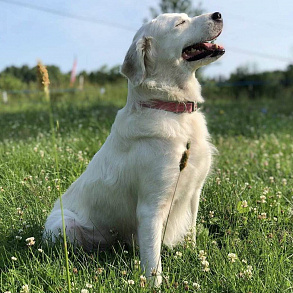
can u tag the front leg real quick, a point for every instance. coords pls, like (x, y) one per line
(150, 226)
(158, 180)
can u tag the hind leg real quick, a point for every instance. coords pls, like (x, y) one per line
(81, 234)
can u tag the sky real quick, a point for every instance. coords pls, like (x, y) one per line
(257, 34)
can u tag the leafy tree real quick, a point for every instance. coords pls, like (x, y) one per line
(10, 82)
(57, 78)
(288, 76)
(180, 6)
(24, 73)
(105, 75)
(248, 83)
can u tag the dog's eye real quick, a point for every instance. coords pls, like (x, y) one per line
(181, 22)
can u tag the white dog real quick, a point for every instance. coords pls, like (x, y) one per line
(127, 190)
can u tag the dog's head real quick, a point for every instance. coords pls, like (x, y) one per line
(173, 42)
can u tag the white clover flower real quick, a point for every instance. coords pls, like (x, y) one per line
(18, 237)
(218, 180)
(84, 291)
(30, 241)
(262, 216)
(130, 282)
(25, 289)
(178, 253)
(13, 258)
(196, 286)
(88, 285)
(263, 199)
(136, 263)
(247, 274)
(244, 204)
(201, 254)
(232, 257)
(205, 265)
(142, 280)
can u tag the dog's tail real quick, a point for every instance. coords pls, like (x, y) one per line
(77, 232)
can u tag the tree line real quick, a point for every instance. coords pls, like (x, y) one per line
(25, 77)
(244, 82)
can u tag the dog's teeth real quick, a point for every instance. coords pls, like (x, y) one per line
(184, 55)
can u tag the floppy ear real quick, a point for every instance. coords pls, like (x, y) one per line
(137, 61)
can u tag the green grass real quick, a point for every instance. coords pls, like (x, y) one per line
(254, 139)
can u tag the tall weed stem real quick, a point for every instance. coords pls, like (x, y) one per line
(45, 81)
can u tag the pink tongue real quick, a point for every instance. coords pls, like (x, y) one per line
(210, 46)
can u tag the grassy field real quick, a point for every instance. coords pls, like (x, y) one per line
(245, 224)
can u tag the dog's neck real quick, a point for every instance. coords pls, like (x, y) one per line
(174, 107)
(166, 91)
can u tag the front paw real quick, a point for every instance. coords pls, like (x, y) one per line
(190, 238)
(154, 281)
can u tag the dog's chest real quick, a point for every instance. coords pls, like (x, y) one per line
(198, 161)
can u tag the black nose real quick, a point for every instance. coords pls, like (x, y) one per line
(216, 16)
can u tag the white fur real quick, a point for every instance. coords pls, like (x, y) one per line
(127, 188)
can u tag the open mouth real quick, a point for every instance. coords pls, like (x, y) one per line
(202, 50)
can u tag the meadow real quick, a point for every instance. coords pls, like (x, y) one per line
(245, 223)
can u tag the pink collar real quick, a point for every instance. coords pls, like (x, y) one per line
(175, 107)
